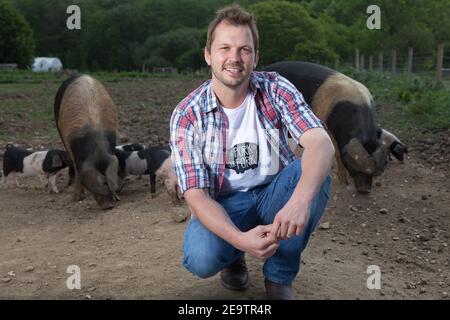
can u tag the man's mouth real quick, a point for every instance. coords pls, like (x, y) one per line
(233, 70)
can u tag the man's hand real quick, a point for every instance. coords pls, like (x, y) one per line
(290, 221)
(316, 163)
(259, 242)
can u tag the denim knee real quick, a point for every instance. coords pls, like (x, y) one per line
(203, 265)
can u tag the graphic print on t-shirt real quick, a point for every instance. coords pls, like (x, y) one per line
(249, 160)
(242, 157)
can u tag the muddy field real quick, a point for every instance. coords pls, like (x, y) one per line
(134, 251)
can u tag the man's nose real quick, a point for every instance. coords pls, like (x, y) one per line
(235, 55)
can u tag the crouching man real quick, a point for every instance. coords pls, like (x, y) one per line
(246, 191)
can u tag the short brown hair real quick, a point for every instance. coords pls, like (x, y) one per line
(236, 16)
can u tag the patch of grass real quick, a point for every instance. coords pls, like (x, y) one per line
(144, 104)
(29, 77)
(424, 102)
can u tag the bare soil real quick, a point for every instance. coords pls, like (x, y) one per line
(134, 251)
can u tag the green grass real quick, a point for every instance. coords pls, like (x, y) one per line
(424, 103)
(447, 84)
(26, 76)
(145, 103)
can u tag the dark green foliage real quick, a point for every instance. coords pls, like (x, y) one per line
(285, 31)
(125, 35)
(16, 37)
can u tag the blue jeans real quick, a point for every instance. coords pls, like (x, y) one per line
(205, 254)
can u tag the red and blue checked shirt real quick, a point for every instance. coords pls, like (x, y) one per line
(198, 129)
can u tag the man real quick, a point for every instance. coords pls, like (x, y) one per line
(246, 191)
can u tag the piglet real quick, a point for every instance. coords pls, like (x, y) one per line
(154, 161)
(130, 147)
(160, 165)
(44, 164)
(131, 162)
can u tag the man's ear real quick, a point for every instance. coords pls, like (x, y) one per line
(256, 59)
(207, 54)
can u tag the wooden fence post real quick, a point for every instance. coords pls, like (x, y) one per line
(394, 61)
(440, 64)
(410, 61)
(357, 59)
(380, 61)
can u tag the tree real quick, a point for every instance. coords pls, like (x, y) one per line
(179, 48)
(16, 37)
(288, 32)
(404, 23)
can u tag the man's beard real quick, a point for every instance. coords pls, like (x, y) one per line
(229, 82)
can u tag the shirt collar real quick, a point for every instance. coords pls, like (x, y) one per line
(212, 102)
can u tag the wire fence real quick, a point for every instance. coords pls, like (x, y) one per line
(424, 63)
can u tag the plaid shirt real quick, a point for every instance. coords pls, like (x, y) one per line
(198, 129)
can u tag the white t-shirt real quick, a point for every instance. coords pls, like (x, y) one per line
(248, 160)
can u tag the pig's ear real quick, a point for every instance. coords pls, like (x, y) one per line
(112, 179)
(57, 161)
(358, 158)
(94, 181)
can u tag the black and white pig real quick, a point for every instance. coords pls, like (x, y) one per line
(395, 146)
(154, 161)
(131, 162)
(347, 108)
(131, 147)
(44, 164)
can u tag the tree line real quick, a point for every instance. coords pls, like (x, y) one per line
(127, 35)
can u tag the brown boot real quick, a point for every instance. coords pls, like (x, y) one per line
(235, 277)
(275, 291)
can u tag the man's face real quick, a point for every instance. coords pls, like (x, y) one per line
(232, 57)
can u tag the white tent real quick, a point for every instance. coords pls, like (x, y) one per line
(42, 64)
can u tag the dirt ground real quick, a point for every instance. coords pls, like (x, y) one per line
(134, 251)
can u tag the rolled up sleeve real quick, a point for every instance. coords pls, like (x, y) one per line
(295, 112)
(187, 157)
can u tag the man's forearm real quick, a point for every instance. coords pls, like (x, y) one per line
(212, 215)
(316, 160)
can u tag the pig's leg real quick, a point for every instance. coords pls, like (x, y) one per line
(17, 181)
(71, 175)
(44, 181)
(152, 184)
(171, 187)
(78, 188)
(4, 181)
(52, 183)
(341, 171)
